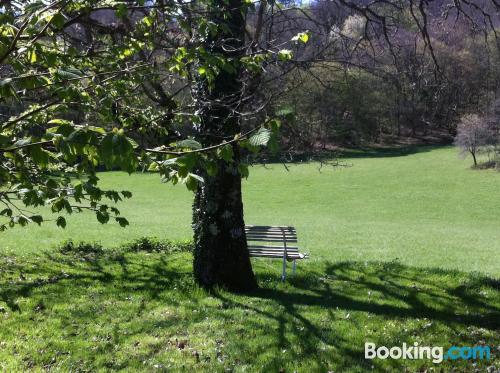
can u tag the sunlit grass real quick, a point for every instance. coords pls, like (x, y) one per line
(423, 208)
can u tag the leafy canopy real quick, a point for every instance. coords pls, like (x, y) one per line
(88, 84)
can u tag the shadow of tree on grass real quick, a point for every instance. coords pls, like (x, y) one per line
(122, 310)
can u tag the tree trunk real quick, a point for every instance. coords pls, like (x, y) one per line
(473, 153)
(221, 254)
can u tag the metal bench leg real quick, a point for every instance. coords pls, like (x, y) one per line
(283, 275)
(293, 267)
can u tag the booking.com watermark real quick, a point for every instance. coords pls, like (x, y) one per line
(436, 353)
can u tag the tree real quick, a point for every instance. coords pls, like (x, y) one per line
(154, 85)
(220, 253)
(473, 133)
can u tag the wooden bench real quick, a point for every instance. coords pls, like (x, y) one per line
(274, 242)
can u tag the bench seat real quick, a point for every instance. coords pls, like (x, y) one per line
(273, 242)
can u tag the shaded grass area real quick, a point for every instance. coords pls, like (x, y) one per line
(81, 309)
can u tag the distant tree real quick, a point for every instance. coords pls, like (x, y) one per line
(495, 127)
(474, 132)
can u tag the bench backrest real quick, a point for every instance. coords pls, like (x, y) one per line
(267, 233)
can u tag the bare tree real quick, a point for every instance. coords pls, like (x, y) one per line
(474, 132)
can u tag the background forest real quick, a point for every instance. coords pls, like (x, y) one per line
(352, 82)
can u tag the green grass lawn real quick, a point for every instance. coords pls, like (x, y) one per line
(404, 248)
(422, 209)
(141, 312)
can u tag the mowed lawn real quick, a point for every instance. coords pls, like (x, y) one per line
(404, 249)
(425, 208)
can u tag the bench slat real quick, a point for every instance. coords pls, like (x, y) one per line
(273, 250)
(264, 239)
(271, 233)
(280, 253)
(268, 227)
(289, 248)
(270, 230)
(277, 233)
(280, 236)
(276, 255)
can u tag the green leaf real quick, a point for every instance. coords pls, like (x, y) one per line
(211, 168)
(197, 177)
(275, 125)
(261, 137)
(192, 181)
(170, 162)
(38, 219)
(6, 89)
(285, 111)
(98, 130)
(121, 10)
(122, 221)
(51, 60)
(153, 167)
(285, 55)
(116, 150)
(148, 21)
(20, 143)
(5, 82)
(302, 37)
(226, 153)
(21, 220)
(58, 20)
(243, 169)
(32, 56)
(61, 222)
(188, 144)
(69, 74)
(102, 217)
(6, 212)
(186, 163)
(126, 194)
(39, 156)
(58, 121)
(229, 68)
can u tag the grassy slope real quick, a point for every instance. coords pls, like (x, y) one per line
(142, 312)
(424, 209)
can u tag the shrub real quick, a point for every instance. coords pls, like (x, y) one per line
(80, 248)
(152, 244)
(90, 250)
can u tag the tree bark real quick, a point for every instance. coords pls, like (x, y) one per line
(221, 254)
(473, 153)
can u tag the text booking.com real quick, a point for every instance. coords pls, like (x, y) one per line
(416, 352)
